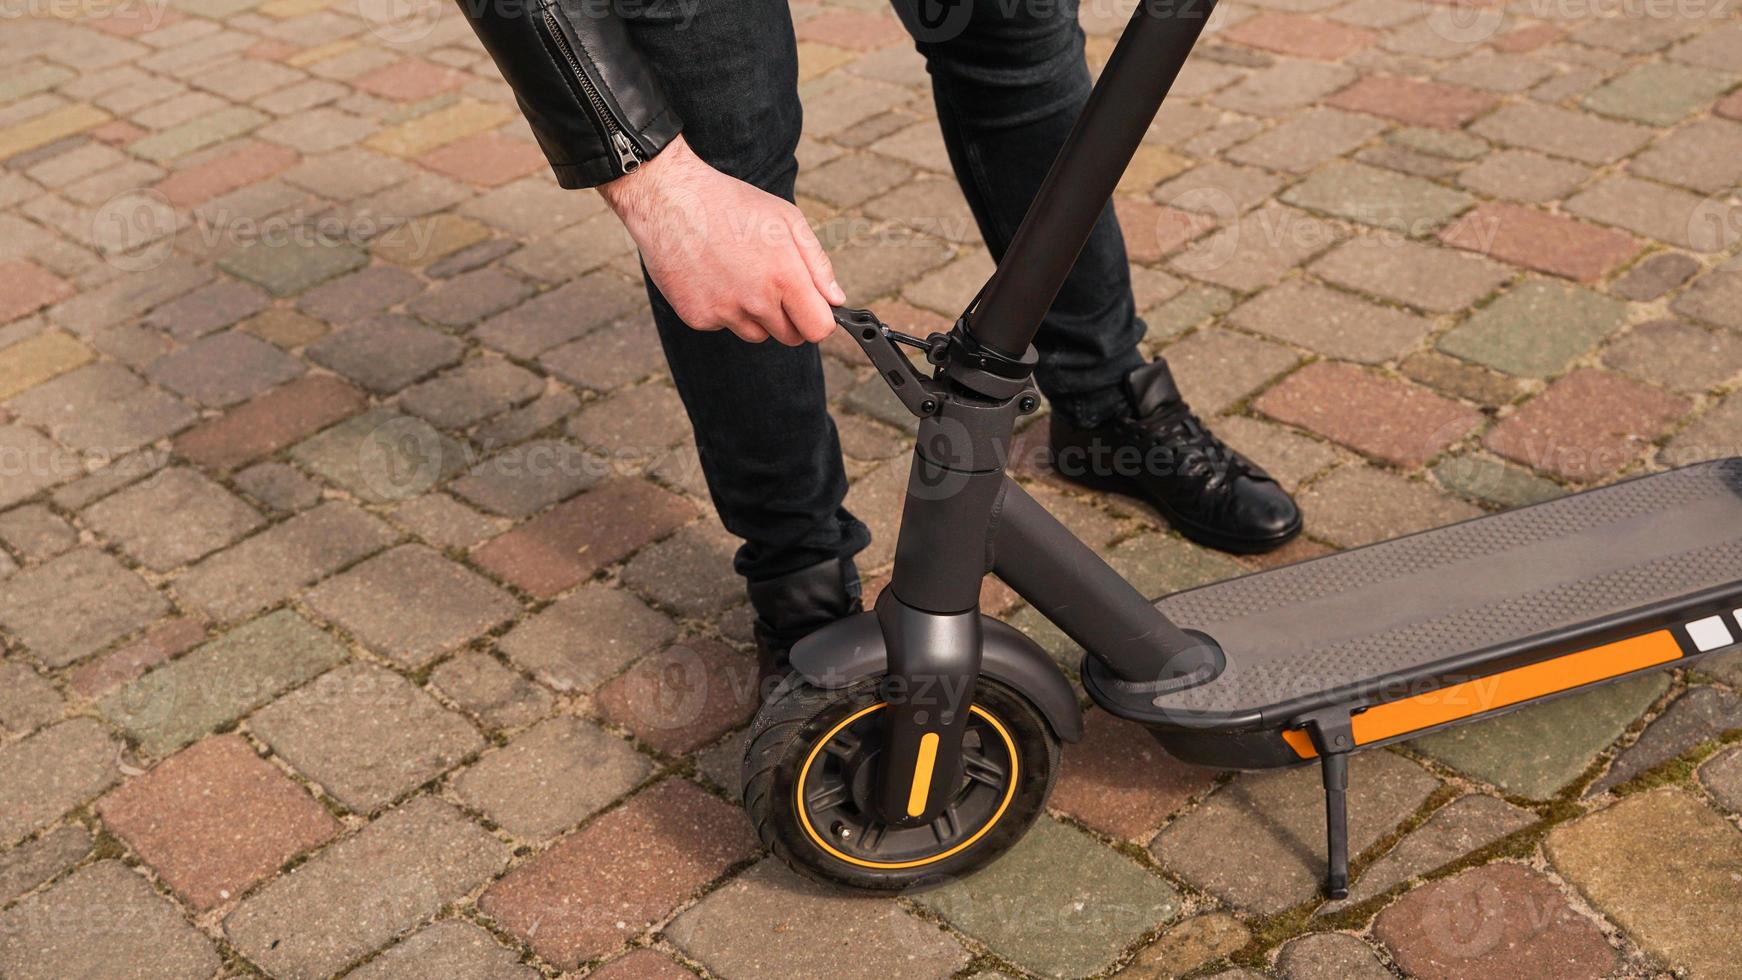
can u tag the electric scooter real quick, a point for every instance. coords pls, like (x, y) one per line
(916, 742)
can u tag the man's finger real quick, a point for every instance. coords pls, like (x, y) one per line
(747, 330)
(809, 312)
(774, 321)
(822, 271)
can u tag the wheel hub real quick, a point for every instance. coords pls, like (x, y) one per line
(838, 790)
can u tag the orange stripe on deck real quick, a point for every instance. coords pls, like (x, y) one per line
(1510, 687)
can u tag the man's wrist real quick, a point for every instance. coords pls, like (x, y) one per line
(630, 194)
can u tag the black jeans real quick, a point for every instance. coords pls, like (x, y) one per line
(1008, 85)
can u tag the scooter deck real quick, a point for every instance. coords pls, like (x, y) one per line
(1459, 622)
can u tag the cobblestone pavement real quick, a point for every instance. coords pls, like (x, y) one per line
(351, 547)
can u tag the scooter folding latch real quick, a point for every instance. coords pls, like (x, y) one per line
(918, 394)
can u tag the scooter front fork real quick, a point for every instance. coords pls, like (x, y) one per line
(930, 619)
(934, 665)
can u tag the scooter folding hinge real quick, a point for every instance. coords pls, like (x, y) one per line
(1334, 738)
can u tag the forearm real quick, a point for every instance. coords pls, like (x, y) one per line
(592, 100)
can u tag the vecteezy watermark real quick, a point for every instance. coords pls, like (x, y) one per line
(401, 21)
(147, 14)
(401, 458)
(1465, 21)
(135, 231)
(1715, 224)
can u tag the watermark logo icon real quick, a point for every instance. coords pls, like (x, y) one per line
(400, 21)
(401, 458)
(134, 230)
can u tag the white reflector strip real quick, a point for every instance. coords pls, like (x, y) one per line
(1710, 633)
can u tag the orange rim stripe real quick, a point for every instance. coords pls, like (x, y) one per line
(1510, 687)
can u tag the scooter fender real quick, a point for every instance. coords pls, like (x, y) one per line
(852, 649)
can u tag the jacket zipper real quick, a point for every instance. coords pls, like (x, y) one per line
(628, 160)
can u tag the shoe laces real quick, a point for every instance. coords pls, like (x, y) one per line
(1196, 451)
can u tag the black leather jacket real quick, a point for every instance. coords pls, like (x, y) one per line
(595, 106)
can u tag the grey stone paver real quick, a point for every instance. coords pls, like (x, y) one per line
(551, 777)
(386, 353)
(1408, 205)
(282, 559)
(1088, 902)
(806, 930)
(1699, 714)
(381, 455)
(1329, 956)
(497, 695)
(102, 408)
(450, 948)
(1466, 824)
(1494, 482)
(1331, 322)
(73, 605)
(525, 479)
(411, 604)
(365, 734)
(1436, 280)
(1722, 777)
(1537, 750)
(1279, 820)
(52, 771)
(580, 641)
(31, 864)
(221, 680)
(172, 518)
(471, 392)
(97, 923)
(362, 891)
(27, 699)
(224, 369)
(49, 464)
(1536, 329)
(680, 574)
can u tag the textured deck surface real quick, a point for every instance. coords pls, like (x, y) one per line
(1361, 616)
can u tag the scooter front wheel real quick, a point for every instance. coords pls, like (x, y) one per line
(809, 773)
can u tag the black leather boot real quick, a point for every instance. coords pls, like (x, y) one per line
(793, 606)
(1160, 452)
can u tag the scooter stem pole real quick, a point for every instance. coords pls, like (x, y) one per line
(1143, 67)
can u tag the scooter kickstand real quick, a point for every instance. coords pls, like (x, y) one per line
(1333, 738)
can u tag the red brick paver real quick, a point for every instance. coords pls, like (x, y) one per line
(596, 889)
(26, 287)
(1586, 424)
(1299, 34)
(215, 818)
(1385, 418)
(684, 697)
(1502, 918)
(1119, 781)
(574, 539)
(1546, 242)
(267, 424)
(1414, 102)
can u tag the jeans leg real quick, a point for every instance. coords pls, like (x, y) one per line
(768, 447)
(1009, 80)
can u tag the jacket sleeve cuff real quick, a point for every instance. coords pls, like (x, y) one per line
(602, 169)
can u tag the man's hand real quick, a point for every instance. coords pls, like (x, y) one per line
(727, 255)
